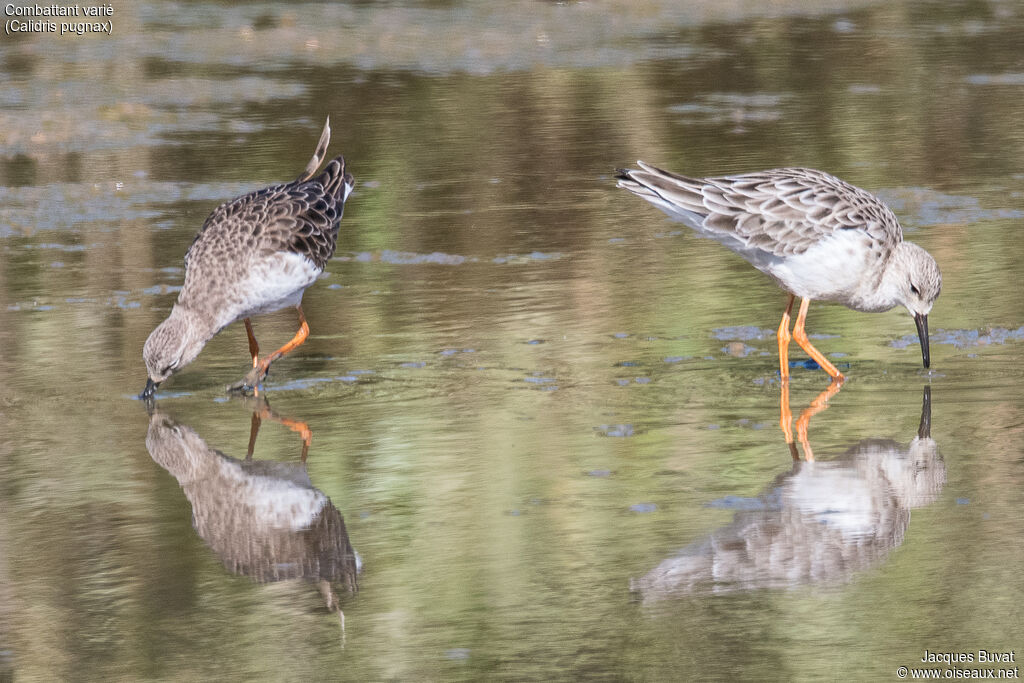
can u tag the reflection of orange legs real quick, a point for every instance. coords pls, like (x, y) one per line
(303, 431)
(264, 412)
(786, 418)
(819, 404)
(254, 429)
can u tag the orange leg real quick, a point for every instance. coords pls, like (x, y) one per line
(820, 403)
(786, 417)
(784, 338)
(260, 367)
(801, 338)
(296, 341)
(254, 348)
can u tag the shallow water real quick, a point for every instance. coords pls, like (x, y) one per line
(545, 418)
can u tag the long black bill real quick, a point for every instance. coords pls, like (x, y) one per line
(150, 390)
(922, 333)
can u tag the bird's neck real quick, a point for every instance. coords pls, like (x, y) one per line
(200, 326)
(887, 293)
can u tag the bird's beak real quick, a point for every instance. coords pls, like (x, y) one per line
(922, 333)
(147, 393)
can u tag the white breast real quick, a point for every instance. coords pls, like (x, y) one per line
(272, 283)
(832, 270)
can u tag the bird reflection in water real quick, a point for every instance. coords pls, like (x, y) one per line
(821, 522)
(264, 519)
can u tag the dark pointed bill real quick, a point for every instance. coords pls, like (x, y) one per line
(922, 333)
(150, 390)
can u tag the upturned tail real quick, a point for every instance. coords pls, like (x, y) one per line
(337, 183)
(318, 155)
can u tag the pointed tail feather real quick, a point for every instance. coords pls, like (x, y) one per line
(677, 195)
(318, 155)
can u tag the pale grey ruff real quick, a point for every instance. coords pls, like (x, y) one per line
(818, 237)
(254, 254)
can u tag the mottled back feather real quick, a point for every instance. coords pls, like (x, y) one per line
(298, 217)
(782, 211)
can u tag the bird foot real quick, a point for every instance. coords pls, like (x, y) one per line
(251, 383)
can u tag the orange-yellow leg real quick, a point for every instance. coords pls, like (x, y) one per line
(296, 341)
(818, 404)
(260, 367)
(801, 338)
(784, 338)
(786, 417)
(254, 348)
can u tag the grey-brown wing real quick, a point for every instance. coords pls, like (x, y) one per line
(781, 211)
(298, 217)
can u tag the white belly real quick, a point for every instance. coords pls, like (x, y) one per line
(272, 283)
(832, 270)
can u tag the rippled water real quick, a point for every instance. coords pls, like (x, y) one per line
(543, 420)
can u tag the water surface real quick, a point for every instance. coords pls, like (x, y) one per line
(529, 393)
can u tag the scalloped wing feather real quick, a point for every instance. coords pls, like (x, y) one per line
(782, 211)
(299, 217)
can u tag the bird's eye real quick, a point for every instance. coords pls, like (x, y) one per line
(914, 289)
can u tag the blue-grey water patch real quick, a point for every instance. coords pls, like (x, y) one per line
(742, 333)
(616, 430)
(963, 339)
(526, 258)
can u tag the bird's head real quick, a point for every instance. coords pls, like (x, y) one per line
(918, 286)
(171, 346)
